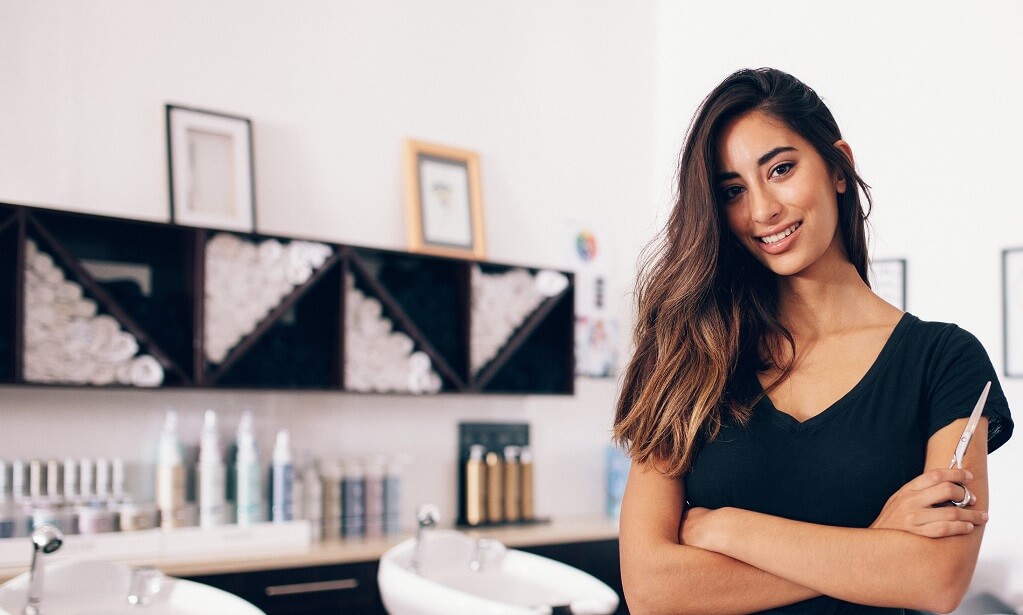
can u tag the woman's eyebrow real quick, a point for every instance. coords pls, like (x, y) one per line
(774, 152)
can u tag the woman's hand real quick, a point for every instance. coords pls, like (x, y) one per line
(918, 507)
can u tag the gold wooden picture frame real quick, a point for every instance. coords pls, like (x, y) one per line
(443, 205)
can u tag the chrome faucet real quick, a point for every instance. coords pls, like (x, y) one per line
(45, 539)
(427, 517)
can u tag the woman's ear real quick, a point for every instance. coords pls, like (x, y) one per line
(840, 179)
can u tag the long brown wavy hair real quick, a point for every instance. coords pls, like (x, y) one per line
(706, 309)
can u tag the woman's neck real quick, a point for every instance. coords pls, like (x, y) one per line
(815, 304)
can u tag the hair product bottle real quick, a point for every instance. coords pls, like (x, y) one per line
(375, 499)
(512, 485)
(248, 475)
(170, 473)
(312, 495)
(475, 486)
(210, 474)
(282, 480)
(495, 488)
(331, 481)
(392, 498)
(353, 501)
(526, 470)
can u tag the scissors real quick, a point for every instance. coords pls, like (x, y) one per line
(971, 426)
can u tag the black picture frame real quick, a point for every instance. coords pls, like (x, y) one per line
(210, 169)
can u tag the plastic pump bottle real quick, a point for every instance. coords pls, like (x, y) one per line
(248, 479)
(282, 480)
(210, 474)
(170, 472)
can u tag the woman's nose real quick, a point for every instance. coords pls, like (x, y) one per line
(764, 207)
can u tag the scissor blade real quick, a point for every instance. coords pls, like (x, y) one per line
(971, 426)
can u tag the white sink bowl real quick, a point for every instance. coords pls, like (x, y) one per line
(507, 582)
(83, 587)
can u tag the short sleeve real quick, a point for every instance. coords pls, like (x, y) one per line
(956, 377)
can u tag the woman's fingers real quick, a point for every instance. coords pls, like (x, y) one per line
(946, 521)
(942, 493)
(936, 477)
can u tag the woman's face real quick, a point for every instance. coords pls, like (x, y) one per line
(779, 196)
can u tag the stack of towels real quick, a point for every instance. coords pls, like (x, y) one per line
(378, 359)
(246, 280)
(501, 302)
(67, 342)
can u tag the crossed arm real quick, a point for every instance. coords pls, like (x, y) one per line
(737, 561)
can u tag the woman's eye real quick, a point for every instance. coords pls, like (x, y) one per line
(782, 169)
(730, 193)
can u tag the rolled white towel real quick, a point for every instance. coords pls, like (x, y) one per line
(146, 371)
(85, 308)
(122, 373)
(122, 346)
(103, 375)
(270, 251)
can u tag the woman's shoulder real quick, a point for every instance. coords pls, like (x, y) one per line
(933, 332)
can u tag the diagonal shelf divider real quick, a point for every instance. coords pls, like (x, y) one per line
(398, 315)
(517, 339)
(271, 319)
(70, 263)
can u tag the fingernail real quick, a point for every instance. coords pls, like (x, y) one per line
(983, 516)
(969, 475)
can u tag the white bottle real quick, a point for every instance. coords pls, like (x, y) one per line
(210, 474)
(312, 494)
(248, 475)
(282, 480)
(170, 473)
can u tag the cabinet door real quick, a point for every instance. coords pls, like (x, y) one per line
(319, 590)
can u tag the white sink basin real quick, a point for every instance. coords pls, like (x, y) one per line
(506, 581)
(83, 587)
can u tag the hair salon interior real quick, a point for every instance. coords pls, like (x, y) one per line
(558, 123)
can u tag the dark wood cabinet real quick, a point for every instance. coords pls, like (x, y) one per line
(317, 590)
(208, 308)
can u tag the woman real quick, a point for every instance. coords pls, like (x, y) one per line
(790, 431)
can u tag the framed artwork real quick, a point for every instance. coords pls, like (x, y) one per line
(888, 278)
(210, 167)
(444, 212)
(1012, 293)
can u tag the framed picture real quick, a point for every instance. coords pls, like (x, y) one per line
(1012, 292)
(444, 213)
(209, 156)
(888, 278)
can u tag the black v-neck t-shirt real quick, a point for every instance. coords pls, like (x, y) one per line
(840, 467)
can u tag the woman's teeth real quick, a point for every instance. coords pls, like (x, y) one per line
(779, 236)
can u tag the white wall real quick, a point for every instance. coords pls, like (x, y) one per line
(554, 96)
(928, 94)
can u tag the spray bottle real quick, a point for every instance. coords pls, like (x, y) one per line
(282, 480)
(211, 474)
(248, 475)
(170, 472)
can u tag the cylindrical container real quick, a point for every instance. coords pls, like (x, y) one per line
(475, 486)
(332, 509)
(37, 480)
(248, 475)
(495, 488)
(54, 481)
(512, 485)
(392, 499)
(70, 480)
(93, 520)
(526, 470)
(282, 480)
(312, 496)
(375, 500)
(211, 479)
(63, 518)
(170, 475)
(353, 501)
(118, 495)
(103, 480)
(86, 480)
(19, 481)
(133, 517)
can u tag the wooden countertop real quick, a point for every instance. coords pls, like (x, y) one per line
(559, 531)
